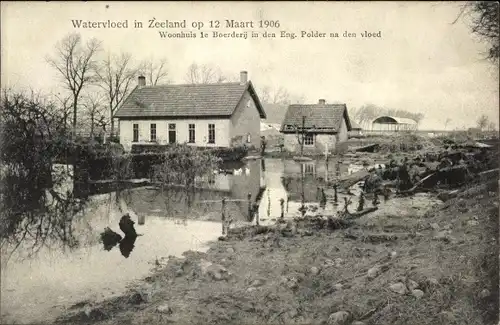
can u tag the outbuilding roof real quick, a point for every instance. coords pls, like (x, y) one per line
(318, 117)
(355, 126)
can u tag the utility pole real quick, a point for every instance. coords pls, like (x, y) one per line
(303, 136)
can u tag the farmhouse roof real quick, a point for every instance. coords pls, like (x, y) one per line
(187, 100)
(325, 118)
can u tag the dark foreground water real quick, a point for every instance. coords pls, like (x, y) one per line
(39, 287)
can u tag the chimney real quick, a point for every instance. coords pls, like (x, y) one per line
(243, 77)
(322, 102)
(141, 81)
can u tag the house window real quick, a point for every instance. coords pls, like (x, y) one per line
(211, 133)
(135, 132)
(191, 133)
(249, 138)
(153, 132)
(172, 134)
(309, 139)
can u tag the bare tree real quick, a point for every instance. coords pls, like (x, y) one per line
(155, 72)
(483, 18)
(204, 74)
(115, 76)
(367, 113)
(76, 64)
(265, 94)
(36, 205)
(276, 96)
(281, 96)
(491, 126)
(418, 117)
(298, 99)
(482, 121)
(64, 104)
(93, 104)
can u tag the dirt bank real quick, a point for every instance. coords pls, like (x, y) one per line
(427, 264)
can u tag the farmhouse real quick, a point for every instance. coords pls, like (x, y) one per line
(208, 115)
(322, 126)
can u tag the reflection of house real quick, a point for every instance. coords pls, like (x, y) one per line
(393, 124)
(218, 115)
(324, 126)
(356, 129)
(206, 200)
(315, 168)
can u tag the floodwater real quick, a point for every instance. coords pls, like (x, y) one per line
(40, 287)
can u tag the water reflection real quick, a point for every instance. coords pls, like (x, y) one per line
(110, 238)
(38, 209)
(107, 264)
(304, 186)
(235, 181)
(127, 245)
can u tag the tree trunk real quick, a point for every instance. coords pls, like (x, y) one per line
(75, 98)
(92, 126)
(112, 120)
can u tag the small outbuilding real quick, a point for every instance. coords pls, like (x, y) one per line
(356, 129)
(393, 124)
(320, 126)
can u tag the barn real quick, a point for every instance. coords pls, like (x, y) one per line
(393, 124)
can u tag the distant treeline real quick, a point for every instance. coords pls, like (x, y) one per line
(367, 113)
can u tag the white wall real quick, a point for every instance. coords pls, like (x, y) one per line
(246, 121)
(342, 134)
(222, 131)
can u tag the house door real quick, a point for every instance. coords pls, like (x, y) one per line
(172, 134)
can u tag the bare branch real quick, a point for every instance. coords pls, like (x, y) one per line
(204, 74)
(76, 64)
(115, 76)
(155, 72)
(483, 19)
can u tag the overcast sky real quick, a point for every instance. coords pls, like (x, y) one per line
(422, 63)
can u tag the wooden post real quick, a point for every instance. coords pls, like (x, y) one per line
(249, 196)
(141, 220)
(335, 196)
(303, 136)
(282, 205)
(287, 200)
(223, 216)
(322, 201)
(256, 213)
(361, 203)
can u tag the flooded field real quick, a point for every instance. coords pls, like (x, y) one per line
(39, 287)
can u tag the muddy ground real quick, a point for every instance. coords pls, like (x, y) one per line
(429, 261)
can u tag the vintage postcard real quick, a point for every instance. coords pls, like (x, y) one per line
(249, 162)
